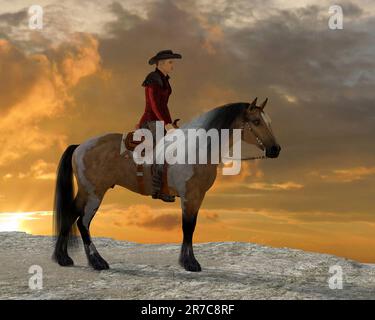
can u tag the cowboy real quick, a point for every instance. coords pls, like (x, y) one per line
(157, 92)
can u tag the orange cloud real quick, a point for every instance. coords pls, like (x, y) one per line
(36, 87)
(40, 170)
(80, 58)
(290, 185)
(352, 174)
(252, 170)
(249, 169)
(145, 216)
(346, 175)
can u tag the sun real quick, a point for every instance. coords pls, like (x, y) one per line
(9, 221)
(12, 221)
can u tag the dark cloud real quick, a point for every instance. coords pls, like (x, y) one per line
(328, 73)
(162, 222)
(290, 53)
(352, 10)
(124, 19)
(15, 18)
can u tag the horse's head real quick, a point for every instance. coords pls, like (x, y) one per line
(256, 125)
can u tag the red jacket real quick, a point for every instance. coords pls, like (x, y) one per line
(157, 92)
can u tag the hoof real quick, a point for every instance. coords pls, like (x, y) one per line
(63, 260)
(97, 262)
(191, 265)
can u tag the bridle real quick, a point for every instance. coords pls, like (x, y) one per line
(247, 125)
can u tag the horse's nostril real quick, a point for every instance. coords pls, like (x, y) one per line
(276, 148)
(273, 151)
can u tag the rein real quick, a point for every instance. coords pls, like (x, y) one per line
(249, 158)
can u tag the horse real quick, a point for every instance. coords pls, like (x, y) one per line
(98, 166)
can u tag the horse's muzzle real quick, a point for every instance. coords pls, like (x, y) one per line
(273, 152)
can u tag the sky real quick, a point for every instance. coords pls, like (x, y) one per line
(80, 76)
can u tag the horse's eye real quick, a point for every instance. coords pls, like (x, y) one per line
(256, 122)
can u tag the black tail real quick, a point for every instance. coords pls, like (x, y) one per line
(65, 213)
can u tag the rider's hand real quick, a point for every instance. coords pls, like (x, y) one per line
(174, 123)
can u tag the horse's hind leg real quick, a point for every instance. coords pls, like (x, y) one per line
(90, 207)
(60, 254)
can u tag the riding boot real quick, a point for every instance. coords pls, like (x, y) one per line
(157, 180)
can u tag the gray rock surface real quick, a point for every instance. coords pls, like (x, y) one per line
(230, 270)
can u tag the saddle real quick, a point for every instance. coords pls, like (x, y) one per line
(130, 144)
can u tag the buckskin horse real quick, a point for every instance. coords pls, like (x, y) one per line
(98, 166)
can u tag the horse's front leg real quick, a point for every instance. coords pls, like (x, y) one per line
(189, 218)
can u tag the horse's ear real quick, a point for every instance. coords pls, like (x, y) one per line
(254, 103)
(264, 104)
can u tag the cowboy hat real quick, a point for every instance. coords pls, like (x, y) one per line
(164, 54)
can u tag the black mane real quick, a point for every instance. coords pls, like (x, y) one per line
(220, 117)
